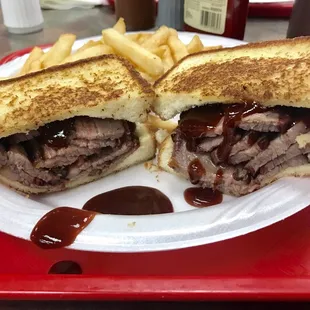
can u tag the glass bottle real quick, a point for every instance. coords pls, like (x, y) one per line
(225, 18)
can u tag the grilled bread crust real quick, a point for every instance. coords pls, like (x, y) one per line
(106, 86)
(270, 73)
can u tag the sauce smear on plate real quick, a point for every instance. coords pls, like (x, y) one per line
(130, 200)
(60, 227)
(202, 197)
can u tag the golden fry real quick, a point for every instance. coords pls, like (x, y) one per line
(159, 51)
(141, 57)
(143, 37)
(147, 77)
(35, 54)
(90, 52)
(156, 123)
(173, 32)
(167, 58)
(35, 66)
(178, 49)
(120, 26)
(133, 36)
(89, 44)
(211, 48)
(159, 37)
(195, 45)
(59, 51)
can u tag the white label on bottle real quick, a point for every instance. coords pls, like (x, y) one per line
(206, 15)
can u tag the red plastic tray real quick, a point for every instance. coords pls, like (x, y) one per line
(270, 264)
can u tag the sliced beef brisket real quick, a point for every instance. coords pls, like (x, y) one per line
(240, 146)
(88, 146)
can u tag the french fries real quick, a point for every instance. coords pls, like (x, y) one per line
(167, 58)
(120, 26)
(93, 51)
(154, 122)
(141, 57)
(59, 51)
(151, 53)
(34, 56)
(35, 66)
(89, 44)
(158, 38)
(143, 37)
(178, 49)
(195, 45)
(133, 36)
(211, 48)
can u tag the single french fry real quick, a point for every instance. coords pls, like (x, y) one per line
(211, 48)
(173, 32)
(133, 36)
(120, 26)
(35, 66)
(148, 62)
(89, 44)
(159, 37)
(35, 54)
(143, 37)
(147, 77)
(167, 58)
(159, 51)
(195, 45)
(156, 123)
(178, 49)
(59, 51)
(93, 51)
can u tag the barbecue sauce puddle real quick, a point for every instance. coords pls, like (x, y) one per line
(202, 197)
(60, 227)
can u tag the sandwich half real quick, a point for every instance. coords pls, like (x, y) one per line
(72, 124)
(244, 115)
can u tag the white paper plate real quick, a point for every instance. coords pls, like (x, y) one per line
(184, 228)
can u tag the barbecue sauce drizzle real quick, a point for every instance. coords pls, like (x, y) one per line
(196, 122)
(202, 197)
(56, 134)
(60, 227)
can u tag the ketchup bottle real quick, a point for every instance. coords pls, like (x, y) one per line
(225, 18)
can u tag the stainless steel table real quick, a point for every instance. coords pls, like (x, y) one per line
(85, 23)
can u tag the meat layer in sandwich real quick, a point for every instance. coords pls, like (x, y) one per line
(64, 151)
(238, 148)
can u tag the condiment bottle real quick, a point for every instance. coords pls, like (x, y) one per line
(138, 14)
(299, 24)
(22, 16)
(225, 18)
(171, 14)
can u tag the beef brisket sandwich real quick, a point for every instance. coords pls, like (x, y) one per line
(72, 124)
(245, 115)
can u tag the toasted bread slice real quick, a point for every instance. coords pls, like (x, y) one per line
(145, 152)
(270, 73)
(105, 86)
